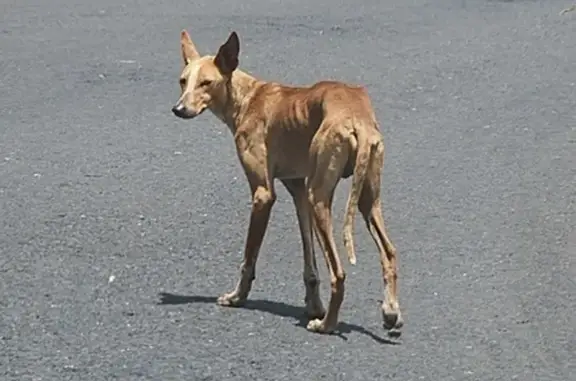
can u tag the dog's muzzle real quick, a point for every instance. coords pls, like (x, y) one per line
(182, 112)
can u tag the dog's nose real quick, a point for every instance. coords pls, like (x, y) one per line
(177, 110)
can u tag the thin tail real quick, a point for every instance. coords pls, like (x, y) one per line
(363, 156)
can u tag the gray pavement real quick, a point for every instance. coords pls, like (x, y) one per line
(107, 200)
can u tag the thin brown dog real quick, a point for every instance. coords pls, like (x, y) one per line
(308, 138)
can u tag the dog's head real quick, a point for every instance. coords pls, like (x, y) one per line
(204, 79)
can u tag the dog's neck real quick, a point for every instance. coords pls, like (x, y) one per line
(231, 106)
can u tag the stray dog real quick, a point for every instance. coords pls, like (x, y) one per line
(308, 138)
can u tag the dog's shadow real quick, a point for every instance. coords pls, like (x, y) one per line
(275, 308)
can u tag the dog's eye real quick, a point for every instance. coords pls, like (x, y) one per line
(205, 83)
(182, 81)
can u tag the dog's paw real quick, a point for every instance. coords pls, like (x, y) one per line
(391, 317)
(319, 326)
(231, 300)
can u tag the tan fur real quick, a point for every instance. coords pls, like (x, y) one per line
(308, 138)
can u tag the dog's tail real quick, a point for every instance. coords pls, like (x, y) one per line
(366, 143)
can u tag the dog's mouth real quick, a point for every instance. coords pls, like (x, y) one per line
(185, 115)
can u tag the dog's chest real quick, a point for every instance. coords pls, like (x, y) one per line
(293, 171)
(289, 153)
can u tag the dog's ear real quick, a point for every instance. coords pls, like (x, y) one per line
(227, 58)
(189, 52)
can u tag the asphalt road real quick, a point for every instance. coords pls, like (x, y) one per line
(107, 200)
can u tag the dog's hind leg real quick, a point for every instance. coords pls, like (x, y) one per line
(297, 189)
(263, 198)
(369, 205)
(329, 154)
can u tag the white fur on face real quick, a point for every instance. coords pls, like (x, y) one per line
(191, 74)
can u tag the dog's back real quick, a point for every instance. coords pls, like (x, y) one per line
(290, 116)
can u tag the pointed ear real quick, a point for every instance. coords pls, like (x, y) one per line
(227, 58)
(189, 52)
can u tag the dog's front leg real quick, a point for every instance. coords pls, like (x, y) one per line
(263, 198)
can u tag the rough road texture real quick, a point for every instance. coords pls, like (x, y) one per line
(107, 200)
